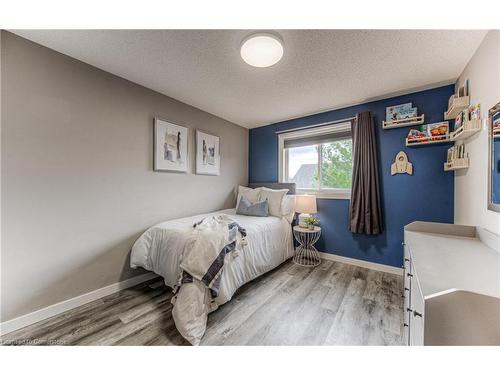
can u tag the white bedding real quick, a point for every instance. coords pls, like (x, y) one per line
(269, 243)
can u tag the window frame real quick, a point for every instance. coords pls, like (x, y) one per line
(283, 156)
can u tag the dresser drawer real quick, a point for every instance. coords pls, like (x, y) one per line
(416, 314)
(406, 294)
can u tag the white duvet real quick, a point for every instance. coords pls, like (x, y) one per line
(160, 249)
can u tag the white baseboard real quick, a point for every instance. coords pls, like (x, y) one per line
(362, 263)
(60, 307)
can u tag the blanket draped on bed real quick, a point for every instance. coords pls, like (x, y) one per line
(213, 242)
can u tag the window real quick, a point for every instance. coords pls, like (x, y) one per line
(318, 160)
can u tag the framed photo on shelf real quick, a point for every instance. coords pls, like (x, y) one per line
(207, 154)
(170, 147)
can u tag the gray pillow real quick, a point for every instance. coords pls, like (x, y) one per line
(245, 207)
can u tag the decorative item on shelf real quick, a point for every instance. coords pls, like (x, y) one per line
(428, 134)
(459, 120)
(456, 164)
(458, 101)
(305, 205)
(401, 111)
(398, 116)
(451, 99)
(463, 90)
(457, 158)
(401, 164)
(456, 105)
(457, 152)
(311, 222)
(467, 123)
(474, 112)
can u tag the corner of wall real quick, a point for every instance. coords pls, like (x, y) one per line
(471, 185)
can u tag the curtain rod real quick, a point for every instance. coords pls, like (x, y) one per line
(315, 125)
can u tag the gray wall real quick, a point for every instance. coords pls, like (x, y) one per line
(77, 181)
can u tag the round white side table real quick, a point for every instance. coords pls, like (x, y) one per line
(306, 254)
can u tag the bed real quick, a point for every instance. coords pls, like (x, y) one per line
(269, 242)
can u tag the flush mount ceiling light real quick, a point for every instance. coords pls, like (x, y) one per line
(261, 50)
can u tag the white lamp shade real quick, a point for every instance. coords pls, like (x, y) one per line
(305, 204)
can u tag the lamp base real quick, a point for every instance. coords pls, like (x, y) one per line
(302, 220)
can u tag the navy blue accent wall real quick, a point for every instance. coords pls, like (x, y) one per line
(427, 195)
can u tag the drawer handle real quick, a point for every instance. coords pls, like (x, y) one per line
(405, 325)
(409, 274)
(407, 289)
(409, 310)
(407, 260)
(416, 313)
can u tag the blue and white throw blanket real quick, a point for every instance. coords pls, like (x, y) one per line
(213, 243)
(204, 257)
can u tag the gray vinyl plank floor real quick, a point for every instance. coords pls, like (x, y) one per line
(332, 304)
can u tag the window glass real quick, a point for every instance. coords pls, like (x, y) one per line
(303, 166)
(336, 164)
(318, 159)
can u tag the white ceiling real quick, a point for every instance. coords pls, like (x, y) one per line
(320, 69)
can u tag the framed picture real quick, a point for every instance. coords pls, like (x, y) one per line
(207, 154)
(170, 147)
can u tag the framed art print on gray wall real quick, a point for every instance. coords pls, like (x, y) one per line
(170, 147)
(207, 154)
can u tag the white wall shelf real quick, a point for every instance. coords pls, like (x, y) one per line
(458, 105)
(466, 130)
(427, 141)
(403, 122)
(457, 164)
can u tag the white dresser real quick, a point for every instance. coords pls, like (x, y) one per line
(451, 285)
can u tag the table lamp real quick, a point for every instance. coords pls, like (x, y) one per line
(305, 205)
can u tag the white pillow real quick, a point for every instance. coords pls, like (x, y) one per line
(288, 207)
(253, 195)
(274, 198)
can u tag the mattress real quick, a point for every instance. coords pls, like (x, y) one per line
(269, 240)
